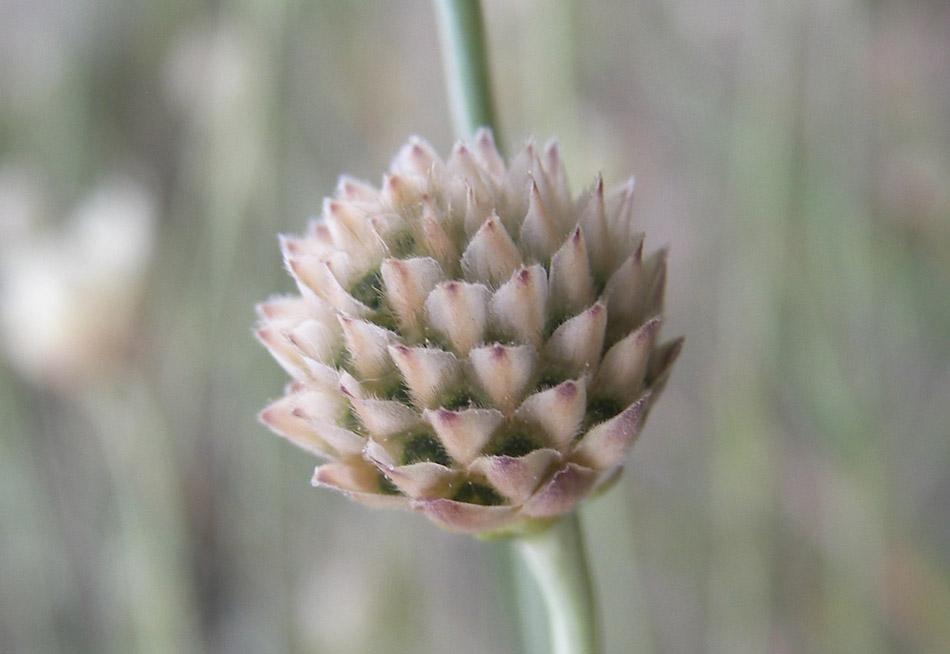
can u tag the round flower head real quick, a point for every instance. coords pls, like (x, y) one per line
(470, 341)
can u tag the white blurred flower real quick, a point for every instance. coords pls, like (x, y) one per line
(68, 296)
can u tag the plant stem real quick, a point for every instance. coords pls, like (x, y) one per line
(557, 559)
(555, 556)
(466, 66)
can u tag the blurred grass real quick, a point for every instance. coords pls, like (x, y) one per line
(790, 493)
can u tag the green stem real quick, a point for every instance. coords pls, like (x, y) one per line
(558, 562)
(555, 557)
(466, 66)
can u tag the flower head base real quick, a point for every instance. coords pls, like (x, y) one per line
(469, 340)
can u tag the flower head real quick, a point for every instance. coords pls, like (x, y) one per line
(470, 340)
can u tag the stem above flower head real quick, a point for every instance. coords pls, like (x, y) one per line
(466, 66)
(558, 562)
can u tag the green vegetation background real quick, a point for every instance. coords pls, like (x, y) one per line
(791, 492)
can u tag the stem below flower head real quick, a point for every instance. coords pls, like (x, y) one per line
(466, 66)
(557, 559)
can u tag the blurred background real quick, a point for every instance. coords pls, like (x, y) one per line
(791, 492)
